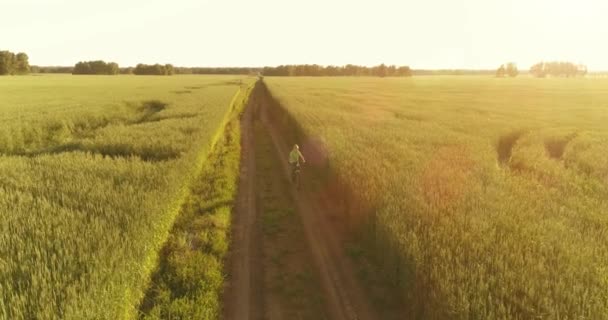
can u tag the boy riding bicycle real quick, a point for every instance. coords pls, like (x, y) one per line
(294, 160)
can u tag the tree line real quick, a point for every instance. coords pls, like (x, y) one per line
(11, 64)
(95, 67)
(558, 69)
(111, 68)
(283, 70)
(154, 69)
(452, 72)
(544, 69)
(51, 69)
(315, 70)
(217, 70)
(143, 69)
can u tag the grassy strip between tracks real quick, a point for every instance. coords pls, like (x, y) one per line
(188, 281)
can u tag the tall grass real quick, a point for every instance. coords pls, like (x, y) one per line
(91, 179)
(479, 198)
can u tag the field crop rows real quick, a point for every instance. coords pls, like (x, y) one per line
(480, 198)
(92, 174)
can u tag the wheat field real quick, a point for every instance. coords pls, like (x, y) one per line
(481, 198)
(93, 171)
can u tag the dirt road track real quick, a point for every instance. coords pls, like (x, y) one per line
(240, 302)
(345, 299)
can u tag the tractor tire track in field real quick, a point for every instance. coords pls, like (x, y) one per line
(240, 300)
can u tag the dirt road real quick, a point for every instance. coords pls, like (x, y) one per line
(240, 300)
(341, 293)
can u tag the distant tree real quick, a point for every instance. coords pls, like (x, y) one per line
(141, 69)
(538, 70)
(96, 67)
(350, 69)
(169, 69)
(404, 71)
(512, 70)
(6, 62)
(22, 64)
(279, 71)
(183, 70)
(500, 73)
(558, 69)
(159, 69)
(112, 68)
(381, 70)
(13, 64)
(82, 67)
(128, 70)
(155, 69)
(333, 71)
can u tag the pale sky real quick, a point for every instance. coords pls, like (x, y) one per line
(422, 34)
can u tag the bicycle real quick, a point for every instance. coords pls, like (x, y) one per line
(295, 174)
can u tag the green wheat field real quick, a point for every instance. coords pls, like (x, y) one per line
(93, 171)
(474, 197)
(482, 198)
